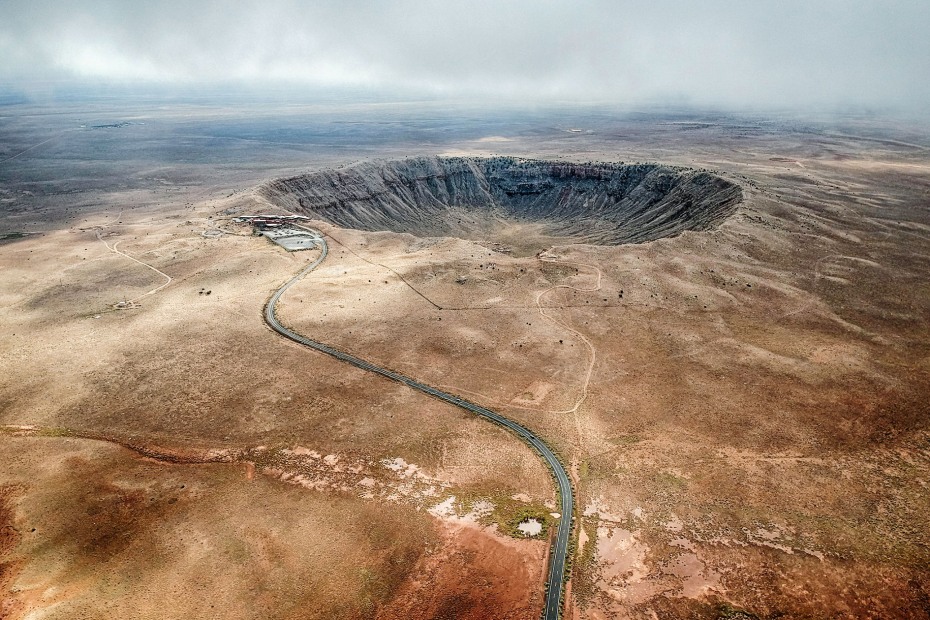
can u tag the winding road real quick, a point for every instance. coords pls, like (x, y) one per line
(555, 580)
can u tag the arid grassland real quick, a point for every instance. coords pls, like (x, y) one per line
(740, 386)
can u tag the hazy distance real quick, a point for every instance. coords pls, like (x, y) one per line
(788, 53)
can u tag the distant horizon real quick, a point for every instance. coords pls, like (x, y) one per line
(293, 95)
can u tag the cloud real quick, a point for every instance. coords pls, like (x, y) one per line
(715, 51)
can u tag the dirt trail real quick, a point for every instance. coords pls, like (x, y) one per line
(116, 250)
(591, 348)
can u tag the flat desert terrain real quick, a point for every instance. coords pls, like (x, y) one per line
(743, 402)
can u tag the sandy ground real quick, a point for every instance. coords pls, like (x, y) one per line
(752, 436)
(184, 374)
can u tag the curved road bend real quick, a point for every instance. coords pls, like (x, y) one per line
(556, 577)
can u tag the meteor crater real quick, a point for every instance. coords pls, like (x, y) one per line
(519, 202)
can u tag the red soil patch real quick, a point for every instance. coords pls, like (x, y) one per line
(474, 575)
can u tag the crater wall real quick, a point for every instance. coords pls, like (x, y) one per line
(598, 203)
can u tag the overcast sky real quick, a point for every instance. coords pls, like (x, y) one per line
(740, 53)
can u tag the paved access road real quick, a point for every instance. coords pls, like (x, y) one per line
(559, 552)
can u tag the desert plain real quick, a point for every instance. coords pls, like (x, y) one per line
(743, 404)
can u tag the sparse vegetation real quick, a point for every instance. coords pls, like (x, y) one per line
(746, 442)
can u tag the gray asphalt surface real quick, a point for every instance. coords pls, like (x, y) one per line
(559, 552)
